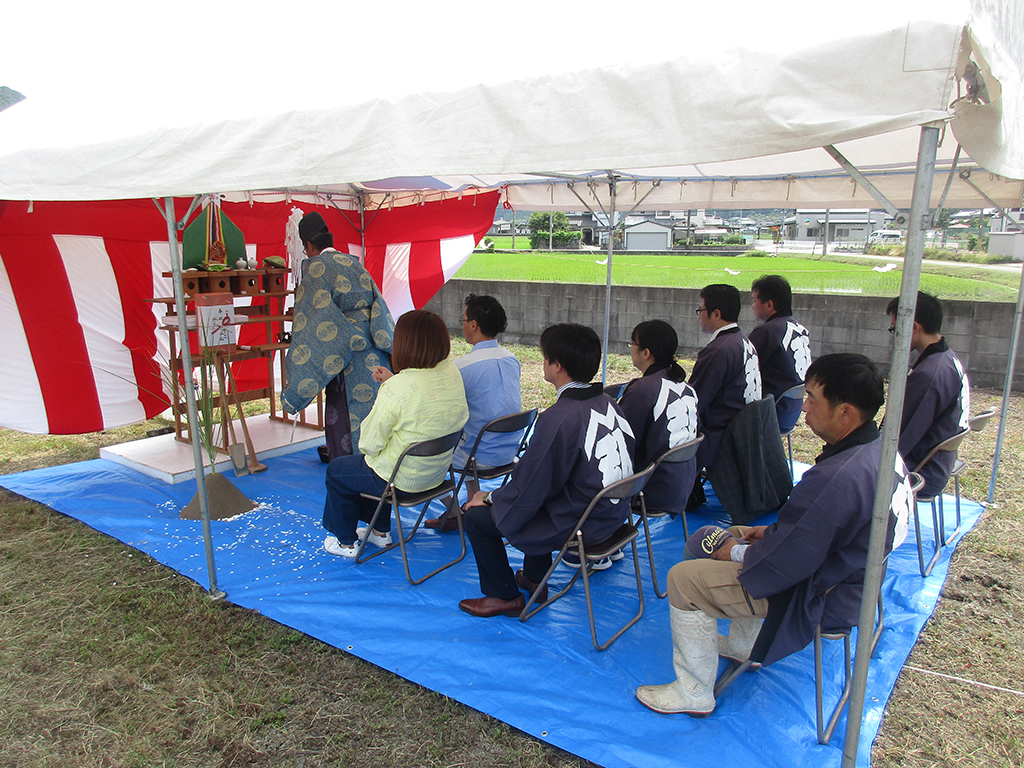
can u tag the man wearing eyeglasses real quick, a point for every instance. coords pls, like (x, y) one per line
(937, 403)
(726, 375)
(491, 376)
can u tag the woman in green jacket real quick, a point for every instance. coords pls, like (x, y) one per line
(422, 400)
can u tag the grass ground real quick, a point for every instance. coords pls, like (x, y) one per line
(807, 274)
(111, 659)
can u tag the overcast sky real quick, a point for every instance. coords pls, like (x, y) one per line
(106, 68)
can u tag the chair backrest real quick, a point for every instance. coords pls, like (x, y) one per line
(793, 393)
(433, 447)
(949, 444)
(626, 488)
(682, 452)
(614, 391)
(511, 423)
(504, 425)
(979, 422)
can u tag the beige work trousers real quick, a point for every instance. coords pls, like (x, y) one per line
(713, 586)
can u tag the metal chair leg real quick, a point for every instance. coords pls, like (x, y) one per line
(947, 540)
(403, 540)
(925, 570)
(825, 731)
(650, 556)
(590, 604)
(879, 623)
(734, 670)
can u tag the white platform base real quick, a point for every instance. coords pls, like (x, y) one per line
(166, 459)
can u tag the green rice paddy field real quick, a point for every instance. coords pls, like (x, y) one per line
(833, 274)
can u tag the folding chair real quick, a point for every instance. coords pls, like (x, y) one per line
(626, 489)
(399, 498)
(682, 452)
(916, 484)
(825, 730)
(614, 391)
(501, 425)
(793, 393)
(950, 444)
(976, 424)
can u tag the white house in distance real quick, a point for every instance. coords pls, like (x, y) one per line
(843, 224)
(648, 236)
(1006, 240)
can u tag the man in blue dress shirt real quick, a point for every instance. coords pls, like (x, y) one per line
(491, 376)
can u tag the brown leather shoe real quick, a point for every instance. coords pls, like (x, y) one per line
(451, 523)
(486, 607)
(531, 587)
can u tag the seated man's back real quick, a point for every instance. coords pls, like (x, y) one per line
(580, 444)
(937, 402)
(782, 344)
(725, 375)
(491, 377)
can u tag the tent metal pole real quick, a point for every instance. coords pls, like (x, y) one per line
(362, 228)
(949, 183)
(608, 278)
(824, 236)
(861, 179)
(190, 395)
(965, 176)
(919, 221)
(1007, 387)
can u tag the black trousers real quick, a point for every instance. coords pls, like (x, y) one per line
(496, 576)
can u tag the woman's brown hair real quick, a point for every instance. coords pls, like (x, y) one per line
(421, 341)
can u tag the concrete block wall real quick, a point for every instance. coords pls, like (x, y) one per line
(979, 332)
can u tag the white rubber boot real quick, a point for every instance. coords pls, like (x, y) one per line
(695, 658)
(740, 640)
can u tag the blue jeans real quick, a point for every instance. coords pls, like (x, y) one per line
(347, 477)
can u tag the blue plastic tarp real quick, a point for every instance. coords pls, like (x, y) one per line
(543, 676)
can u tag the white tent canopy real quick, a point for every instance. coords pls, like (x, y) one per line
(726, 128)
(718, 127)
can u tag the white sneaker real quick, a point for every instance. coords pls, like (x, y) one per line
(335, 547)
(377, 539)
(617, 555)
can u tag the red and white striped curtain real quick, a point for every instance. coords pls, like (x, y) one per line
(79, 346)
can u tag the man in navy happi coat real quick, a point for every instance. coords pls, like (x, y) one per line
(579, 445)
(725, 375)
(783, 345)
(937, 403)
(805, 569)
